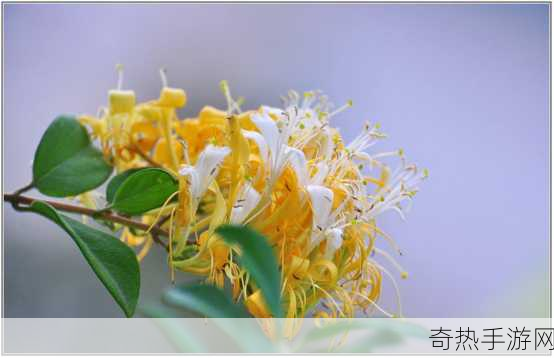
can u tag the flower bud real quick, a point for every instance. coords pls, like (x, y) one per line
(172, 97)
(121, 101)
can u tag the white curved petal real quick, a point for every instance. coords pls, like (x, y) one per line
(205, 169)
(194, 180)
(260, 142)
(270, 132)
(209, 159)
(186, 170)
(208, 165)
(298, 162)
(246, 202)
(322, 202)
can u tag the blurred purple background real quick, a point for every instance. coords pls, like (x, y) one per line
(464, 89)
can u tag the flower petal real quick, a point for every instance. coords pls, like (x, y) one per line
(322, 202)
(205, 169)
(298, 162)
(246, 202)
(270, 132)
(260, 142)
(190, 171)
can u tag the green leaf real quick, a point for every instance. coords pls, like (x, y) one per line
(340, 327)
(144, 190)
(206, 300)
(184, 337)
(66, 163)
(116, 182)
(244, 333)
(258, 259)
(112, 261)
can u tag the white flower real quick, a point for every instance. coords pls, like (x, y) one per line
(275, 151)
(325, 225)
(204, 171)
(260, 142)
(401, 187)
(366, 139)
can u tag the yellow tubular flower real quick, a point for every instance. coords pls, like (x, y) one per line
(283, 171)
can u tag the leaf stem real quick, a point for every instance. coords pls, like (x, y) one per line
(24, 189)
(135, 148)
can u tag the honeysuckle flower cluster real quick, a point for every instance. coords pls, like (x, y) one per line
(285, 172)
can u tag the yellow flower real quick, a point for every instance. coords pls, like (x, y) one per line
(285, 172)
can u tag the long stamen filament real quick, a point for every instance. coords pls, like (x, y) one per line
(163, 76)
(119, 69)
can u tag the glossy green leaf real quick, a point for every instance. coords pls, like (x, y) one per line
(116, 182)
(144, 190)
(65, 162)
(205, 300)
(112, 261)
(258, 259)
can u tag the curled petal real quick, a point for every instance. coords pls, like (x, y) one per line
(321, 199)
(205, 169)
(270, 132)
(298, 163)
(260, 142)
(246, 202)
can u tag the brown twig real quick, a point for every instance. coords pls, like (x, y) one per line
(163, 220)
(20, 199)
(135, 148)
(159, 241)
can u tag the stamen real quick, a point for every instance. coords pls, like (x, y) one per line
(119, 70)
(389, 239)
(163, 76)
(330, 297)
(396, 289)
(374, 304)
(395, 263)
(232, 105)
(161, 211)
(395, 153)
(145, 248)
(425, 173)
(348, 104)
(171, 267)
(185, 151)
